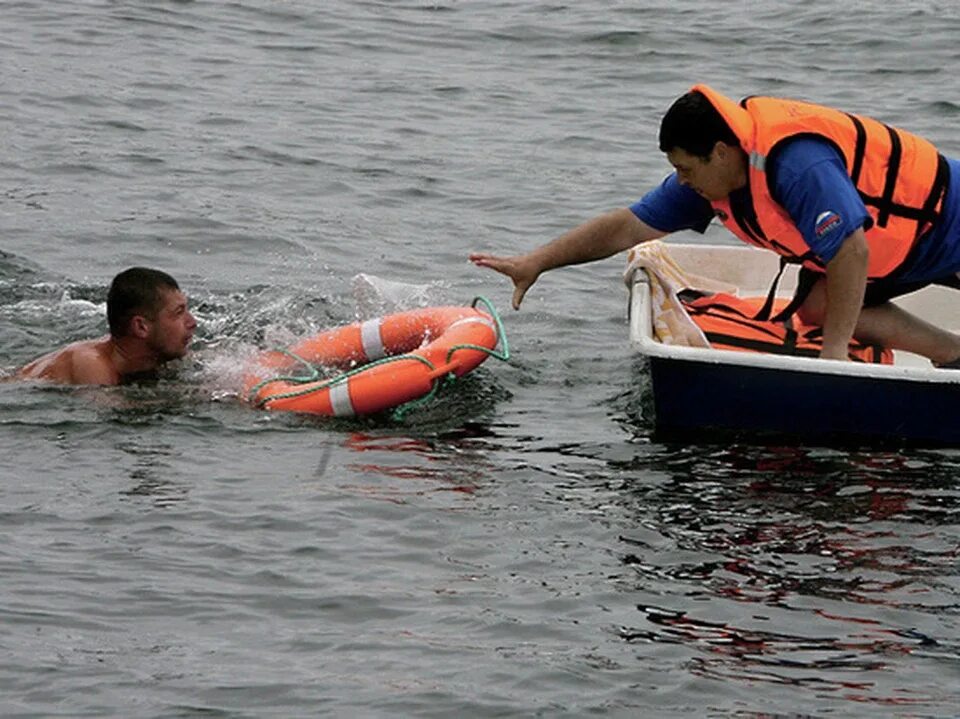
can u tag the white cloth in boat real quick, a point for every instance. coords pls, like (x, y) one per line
(671, 323)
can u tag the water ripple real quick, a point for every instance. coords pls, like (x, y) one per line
(524, 544)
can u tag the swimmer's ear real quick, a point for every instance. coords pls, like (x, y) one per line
(139, 326)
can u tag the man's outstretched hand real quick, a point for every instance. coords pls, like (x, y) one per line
(521, 269)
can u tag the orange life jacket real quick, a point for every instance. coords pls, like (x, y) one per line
(728, 322)
(901, 177)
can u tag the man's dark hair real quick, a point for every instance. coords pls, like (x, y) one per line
(138, 290)
(693, 124)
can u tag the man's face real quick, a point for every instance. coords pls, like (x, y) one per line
(714, 176)
(171, 331)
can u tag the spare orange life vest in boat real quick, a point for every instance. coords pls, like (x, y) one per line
(423, 347)
(728, 322)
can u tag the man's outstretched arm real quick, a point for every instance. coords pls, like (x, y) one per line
(595, 239)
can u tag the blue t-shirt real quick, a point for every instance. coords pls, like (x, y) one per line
(812, 185)
(671, 207)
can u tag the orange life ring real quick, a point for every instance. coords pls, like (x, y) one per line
(423, 346)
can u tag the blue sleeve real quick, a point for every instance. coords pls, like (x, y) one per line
(811, 183)
(671, 207)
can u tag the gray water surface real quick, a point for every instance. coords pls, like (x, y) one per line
(521, 546)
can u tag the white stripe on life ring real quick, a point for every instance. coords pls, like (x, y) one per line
(340, 400)
(371, 341)
(471, 320)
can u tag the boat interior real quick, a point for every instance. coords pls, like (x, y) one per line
(752, 271)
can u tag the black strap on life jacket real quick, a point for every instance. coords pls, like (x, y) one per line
(941, 186)
(806, 279)
(890, 181)
(764, 314)
(860, 148)
(745, 215)
(925, 215)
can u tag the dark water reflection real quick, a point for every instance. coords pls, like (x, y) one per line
(831, 571)
(151, 473)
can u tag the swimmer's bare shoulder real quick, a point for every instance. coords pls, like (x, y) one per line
(89, 362)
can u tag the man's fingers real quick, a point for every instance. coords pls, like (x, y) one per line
(484, 260)
(519, 291)
(503, 265)
(509, 267)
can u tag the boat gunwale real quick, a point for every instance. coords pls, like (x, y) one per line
(642, 339)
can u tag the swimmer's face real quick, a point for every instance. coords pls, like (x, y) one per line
(171, 330)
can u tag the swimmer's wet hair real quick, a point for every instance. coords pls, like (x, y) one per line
(136, 291)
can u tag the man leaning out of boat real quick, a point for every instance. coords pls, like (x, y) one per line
(872, 213)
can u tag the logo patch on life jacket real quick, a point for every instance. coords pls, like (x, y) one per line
(826, 223)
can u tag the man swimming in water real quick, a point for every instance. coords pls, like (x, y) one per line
(150, 325)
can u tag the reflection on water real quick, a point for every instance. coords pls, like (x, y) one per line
(169, 551)
(399, 467)
(152, 474)
(854, 664)
(810, 567)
